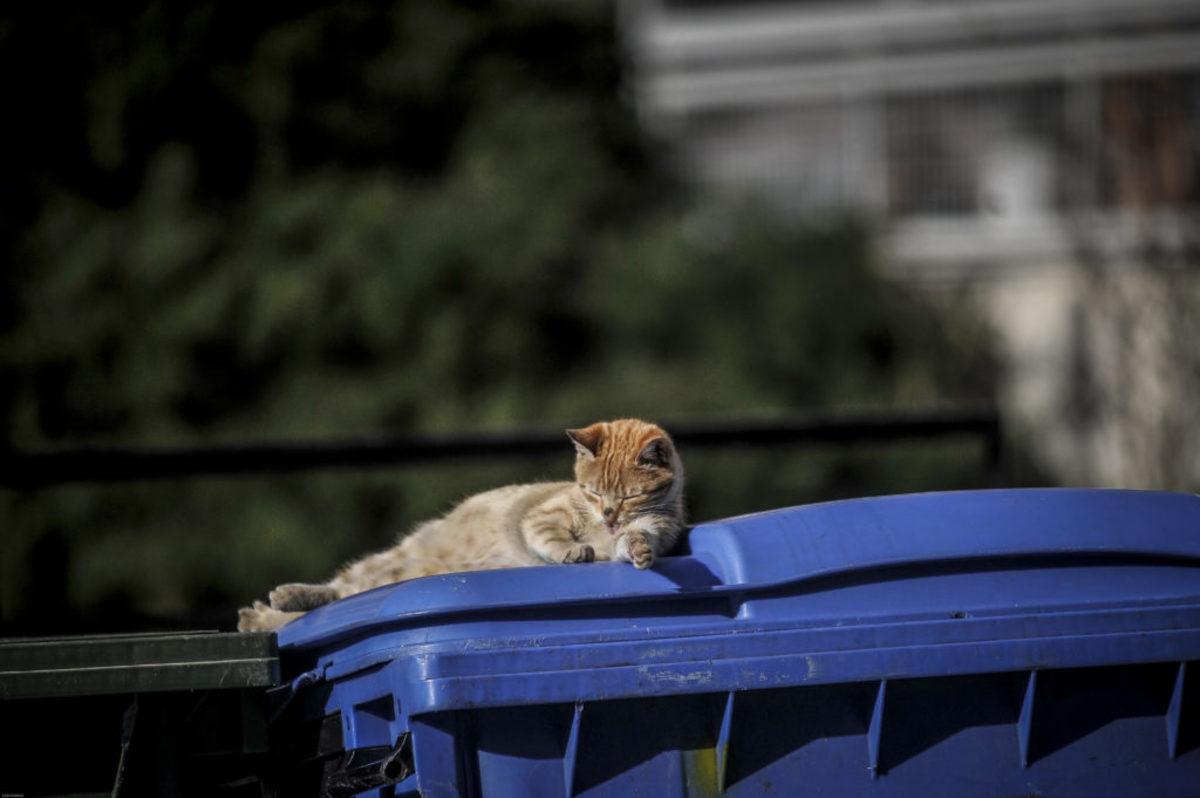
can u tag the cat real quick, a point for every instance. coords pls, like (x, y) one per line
(626, 504)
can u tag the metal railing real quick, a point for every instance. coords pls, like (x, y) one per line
(33, 470)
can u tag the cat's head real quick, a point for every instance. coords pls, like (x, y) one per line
(627, 468)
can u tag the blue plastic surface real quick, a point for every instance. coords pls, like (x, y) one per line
(972, 644)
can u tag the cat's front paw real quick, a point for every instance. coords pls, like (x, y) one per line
(299, 597)
(580, 552)
(639, 551)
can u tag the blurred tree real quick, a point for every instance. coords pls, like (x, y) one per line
(247, 223)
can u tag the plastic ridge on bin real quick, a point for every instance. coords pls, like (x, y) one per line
(45, 667)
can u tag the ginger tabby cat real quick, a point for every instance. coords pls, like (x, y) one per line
(626, 504)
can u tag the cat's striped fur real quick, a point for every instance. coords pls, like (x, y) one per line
(626, 503)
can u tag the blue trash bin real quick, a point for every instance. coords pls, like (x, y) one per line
(990, 643)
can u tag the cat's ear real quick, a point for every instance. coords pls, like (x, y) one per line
(656, 453)
(586, 440)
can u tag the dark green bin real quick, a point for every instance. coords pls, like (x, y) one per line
(136, 714)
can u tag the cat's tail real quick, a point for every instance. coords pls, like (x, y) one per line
(261, 618)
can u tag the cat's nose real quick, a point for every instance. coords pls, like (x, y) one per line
(609, 512)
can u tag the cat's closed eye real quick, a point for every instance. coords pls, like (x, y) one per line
(622, 498)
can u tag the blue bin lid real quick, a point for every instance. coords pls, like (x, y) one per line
(814, 548)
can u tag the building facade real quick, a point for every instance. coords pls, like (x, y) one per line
(1040, 158)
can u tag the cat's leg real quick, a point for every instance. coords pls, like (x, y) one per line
(645, 539)
(633, 547)
(547, 535)
(297, 596)
(261, 618)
